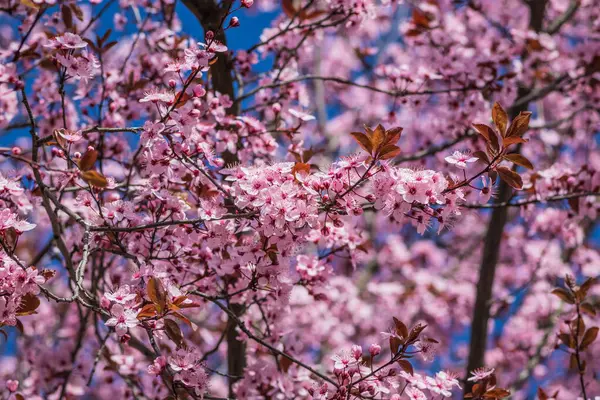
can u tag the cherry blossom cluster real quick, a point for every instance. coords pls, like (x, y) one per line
(220, 226)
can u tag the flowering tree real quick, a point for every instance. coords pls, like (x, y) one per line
(376, 200)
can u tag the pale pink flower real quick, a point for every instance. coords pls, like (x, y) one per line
(122, 319)
(67, 40)
(415, 394)
(122, 296)
(460, 159)
(156, 96)
(480, 374)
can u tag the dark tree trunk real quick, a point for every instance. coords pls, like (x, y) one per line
(493, 237)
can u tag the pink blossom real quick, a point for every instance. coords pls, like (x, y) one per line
(122, 319)
(415, 394)
(68, 40)
(460, 159)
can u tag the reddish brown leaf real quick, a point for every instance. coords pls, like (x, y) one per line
(186, 320)
(67, 17)
(48, 274)
(295, 9)
(574, 204)
(578, 326)
(20, 327)
(157, 294)
(88, 160)
(588, 309)
(564, 295)
(288, 8)
(77, 11)
(500, 118)
(173, 332)
(109, 46)
(378, 137)
(482, 156)
(401, 328)
(285, 363)
(484, 131)
(30, 4)
(519, 125)
(184, 98)
(573, 361)
(62, 142)
(567, 340)
(94, 178)
(519, 160)
(510, 177)
(389, 151)
(29, 303)
(301, 168)
(585, 286)
(414, 333)
(393, 135)
(394, 344)
(512, 140)
(406, 366)
(589, 337)
(421, 18)
(496, 393)
(149, 310)
(363, 141)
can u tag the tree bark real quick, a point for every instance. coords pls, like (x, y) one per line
(236, 349)
(493, 238)
(211, 16)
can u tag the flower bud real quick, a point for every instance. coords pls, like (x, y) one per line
(199, 91)
(234, 22)
(12, 385)
(374, 349)
(356, 352)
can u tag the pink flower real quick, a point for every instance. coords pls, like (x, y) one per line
(486, 190)
(156, 96)
(343, 360)
(9, 220)
(415, 394)
(442, 383)
(157, 366)
(460, 159)
(82, 67)
(196, 379)
(480, 374)
(183, 360)
(301, 115)
(67, 40)
(10, 186)
(122, 319)
(121, 296)
(356, 352)
(426, 349)
(12, 385)
(69, 136)
(416, 380)
(374, 349)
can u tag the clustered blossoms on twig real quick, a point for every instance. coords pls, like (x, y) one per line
(181, 218)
